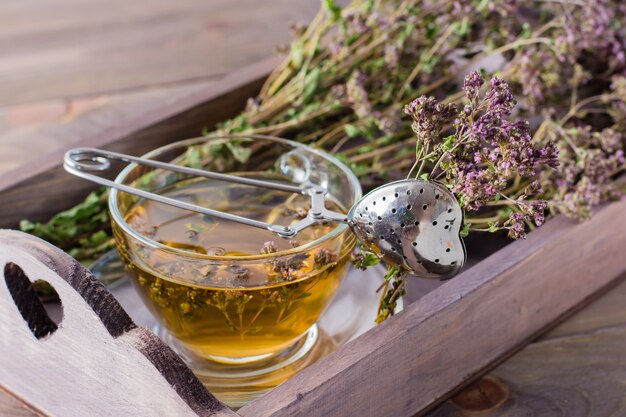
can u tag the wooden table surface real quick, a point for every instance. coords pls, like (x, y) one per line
(75, 66)
(577, 369)
(70, 68)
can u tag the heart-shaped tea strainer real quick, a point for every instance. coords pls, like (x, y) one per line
(411, 223)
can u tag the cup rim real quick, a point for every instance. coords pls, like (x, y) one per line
(118, 218)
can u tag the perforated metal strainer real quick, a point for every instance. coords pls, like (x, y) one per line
(411, 223)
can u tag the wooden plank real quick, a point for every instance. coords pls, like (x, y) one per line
(51, 49)
(72, 120)
(416, 359)
(605, 313)
(95, 361)
(70, 69)
(40, 188)
(577, 369)
(10, 406)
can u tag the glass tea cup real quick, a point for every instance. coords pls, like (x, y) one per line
(228, 293)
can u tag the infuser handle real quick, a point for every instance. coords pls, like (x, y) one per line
(83, 162)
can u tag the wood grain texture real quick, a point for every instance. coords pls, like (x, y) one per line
(51, 49)
(10, 406)
(74, 69)
(577, 369)
(96, 361)
(41, 188)
(468, 325)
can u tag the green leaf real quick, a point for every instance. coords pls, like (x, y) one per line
(351, 130)
(240, 153)
(526, 31)
(432, 28)
(371, 259)
(193, 157)
(145, 181)
(63, 229)
(482, 6)
(99, 237)
(425, 176)
(448, 143)
(465, 230)
(27, 226)
(365, 259)
(333, 9)
(431, 64)
(463, 27)
(393, 272)
(406, 32)
(311, 81)
(493, 227)
(343, 158)
(213, 149)
(375, 65)
(359, 169)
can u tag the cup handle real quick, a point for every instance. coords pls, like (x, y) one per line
(95, 361)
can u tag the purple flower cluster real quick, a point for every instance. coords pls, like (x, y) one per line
(590, 160)
(591, 29)
(587, 39)
(516, 225)
(429, 117)
(500, 98)
(268, 247)
(288, 269)
(325, 256)
(486, 152)
(531, 211)
(596, 33)
(472, 85)
(357, 95)
(490, 149)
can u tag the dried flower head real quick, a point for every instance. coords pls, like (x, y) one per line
(288, 269)
(589, 162)
(429, 117)
(357, 95)
(325, 256)
(472, 85)
(268, 247)
(486, 151)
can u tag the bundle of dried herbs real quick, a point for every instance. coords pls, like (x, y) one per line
(382, 85)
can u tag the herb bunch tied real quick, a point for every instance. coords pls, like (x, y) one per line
(349, 82)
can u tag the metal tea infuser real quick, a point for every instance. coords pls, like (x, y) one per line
(411, 223)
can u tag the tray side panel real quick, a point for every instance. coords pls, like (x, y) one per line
(462, 329)
(41, 188)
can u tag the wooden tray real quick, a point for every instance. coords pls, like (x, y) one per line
(436, 346)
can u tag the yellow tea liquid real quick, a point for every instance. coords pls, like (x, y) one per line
(235, 308)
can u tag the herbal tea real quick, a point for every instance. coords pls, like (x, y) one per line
(233, 307)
